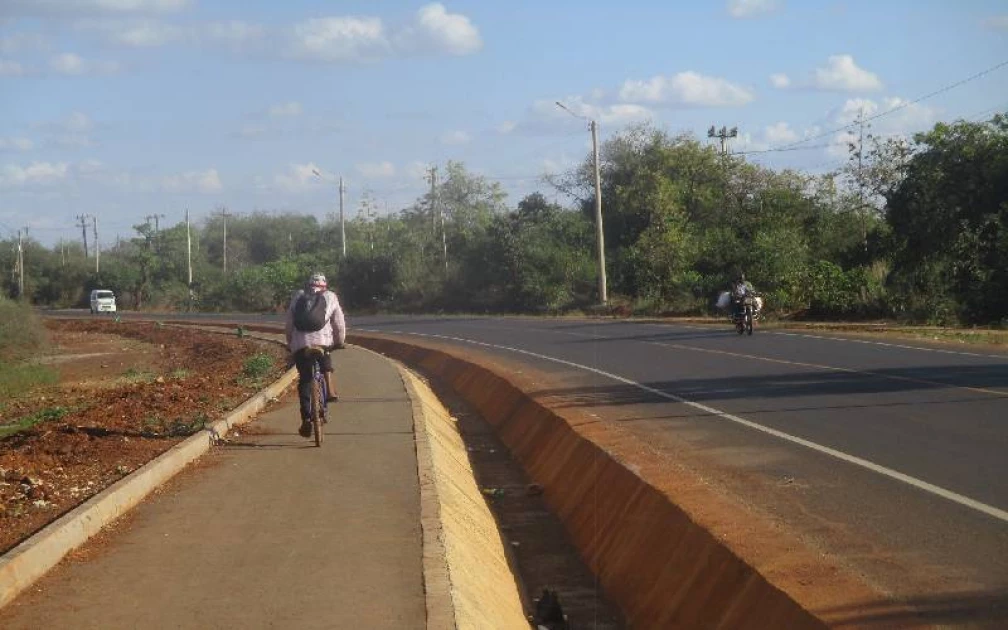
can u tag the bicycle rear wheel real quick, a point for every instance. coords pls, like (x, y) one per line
(316, 411)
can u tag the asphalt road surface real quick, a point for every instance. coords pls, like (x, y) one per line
(890, 456)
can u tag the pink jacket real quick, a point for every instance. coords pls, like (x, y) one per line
(333, 333)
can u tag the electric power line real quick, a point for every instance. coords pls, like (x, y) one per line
(899, 107)
(780, 150)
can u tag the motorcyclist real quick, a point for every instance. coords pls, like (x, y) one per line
(739, 290)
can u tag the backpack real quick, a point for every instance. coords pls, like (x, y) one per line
(310, 312)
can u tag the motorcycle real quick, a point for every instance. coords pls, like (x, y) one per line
(745, 310)
(744, 314)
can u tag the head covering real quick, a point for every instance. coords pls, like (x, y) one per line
(317, 282)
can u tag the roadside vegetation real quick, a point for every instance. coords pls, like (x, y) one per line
(22, 336)
(908, 230)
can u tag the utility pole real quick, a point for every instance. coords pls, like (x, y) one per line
(599, 235)
(342, 225)
(188, 239)
(432, 178)
(437, 212)
(860, 170)
(97, 249)
(82, 218)
(20, 264)
(723, 134)
(62, 254)
(224, 215)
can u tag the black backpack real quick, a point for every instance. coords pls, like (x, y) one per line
(310, 312)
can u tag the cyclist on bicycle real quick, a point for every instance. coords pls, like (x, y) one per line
(314, 319)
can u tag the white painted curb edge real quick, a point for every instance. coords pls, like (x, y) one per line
(23, 565)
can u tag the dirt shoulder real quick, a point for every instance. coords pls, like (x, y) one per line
(126, 393)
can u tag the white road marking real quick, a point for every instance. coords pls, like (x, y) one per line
(816, 366)
(886, 344)
(930, 488)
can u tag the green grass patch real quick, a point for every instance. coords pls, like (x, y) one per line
(43, 415)
(258, 366)
(19, 378)
(133, 375)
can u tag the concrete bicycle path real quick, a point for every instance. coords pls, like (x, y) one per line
(267, 531)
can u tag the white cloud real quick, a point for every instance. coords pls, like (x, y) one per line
(437, 30)
(16, 144)
(751, 8)
(780, 133)
(506, 127)
(854, 107)
(339, 39)
(997, 22)
(546, 111)
(298, 178)
(71, 64)
(780, 80)
(746, 142)
(207, 181)
(71, 8)
(147, 34)
(544, 117)
(455, 138)
(285, 110)
(234, 32)
(685, 88)
(355, 38)
(842, 74)
(13, 175)
(16, 42)
(150, 33)
(11, 68)
(376, 169)
(905, 119)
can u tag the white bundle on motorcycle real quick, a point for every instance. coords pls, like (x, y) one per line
(724, 299)
(758, 303)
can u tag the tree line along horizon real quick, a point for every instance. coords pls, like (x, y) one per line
(912, 229)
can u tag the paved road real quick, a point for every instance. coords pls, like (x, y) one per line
(890, 456)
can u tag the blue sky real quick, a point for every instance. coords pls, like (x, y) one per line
(123, 108)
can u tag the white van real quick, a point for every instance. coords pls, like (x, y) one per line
(102, 301)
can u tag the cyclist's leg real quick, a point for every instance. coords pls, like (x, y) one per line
(304, 368)
(327, 371)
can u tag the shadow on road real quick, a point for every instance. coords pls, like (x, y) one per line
(812, 384)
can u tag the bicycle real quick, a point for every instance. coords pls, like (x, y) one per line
(319, 395)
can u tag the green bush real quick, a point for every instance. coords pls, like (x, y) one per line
(21, 331)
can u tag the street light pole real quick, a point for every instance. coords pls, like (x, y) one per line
(342, 223)
(599, 234)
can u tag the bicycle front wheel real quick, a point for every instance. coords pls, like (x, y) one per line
(316, 411)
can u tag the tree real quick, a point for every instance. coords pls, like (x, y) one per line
(949, 218)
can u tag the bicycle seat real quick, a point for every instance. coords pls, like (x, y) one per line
(315, 352)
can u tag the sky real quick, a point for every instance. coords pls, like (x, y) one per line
(122, 109)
